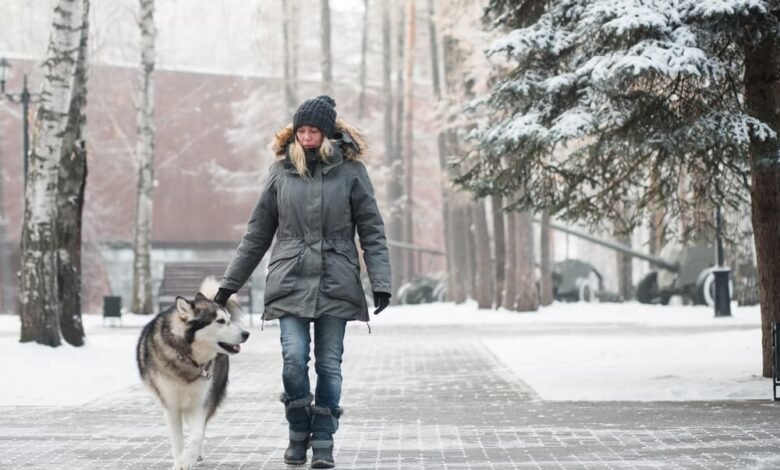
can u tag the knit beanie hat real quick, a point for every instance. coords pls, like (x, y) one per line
(317, 112)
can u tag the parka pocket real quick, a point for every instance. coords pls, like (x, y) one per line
(282, 272)
(341, 276)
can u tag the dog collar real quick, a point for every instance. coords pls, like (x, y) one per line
(205, 373)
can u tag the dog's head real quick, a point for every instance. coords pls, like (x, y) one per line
(209, 326)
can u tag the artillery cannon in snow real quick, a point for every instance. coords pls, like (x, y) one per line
(682, 270)
(576, 280)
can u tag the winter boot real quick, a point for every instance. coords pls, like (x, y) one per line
(324, 424)
(298, 416)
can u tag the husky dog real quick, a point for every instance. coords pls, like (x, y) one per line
(182, 356)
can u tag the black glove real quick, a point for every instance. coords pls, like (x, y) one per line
(381, 301)
(223, 295)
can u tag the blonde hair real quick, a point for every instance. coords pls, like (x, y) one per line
(298, 155)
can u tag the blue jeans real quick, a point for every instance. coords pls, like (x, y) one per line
(328, 349)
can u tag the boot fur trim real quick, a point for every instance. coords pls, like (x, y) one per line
(338, 412)
(299, 403)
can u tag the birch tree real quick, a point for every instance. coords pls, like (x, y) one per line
(40, 293)
(71, 186)
(142, 243)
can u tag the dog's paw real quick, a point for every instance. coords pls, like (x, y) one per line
(189, 458)
(184, 464)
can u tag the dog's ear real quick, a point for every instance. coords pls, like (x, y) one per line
(200, 296)
(184, 307)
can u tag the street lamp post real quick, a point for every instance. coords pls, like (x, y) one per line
(24, 98)
(721, 273)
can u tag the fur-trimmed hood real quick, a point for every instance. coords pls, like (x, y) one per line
(348, 139)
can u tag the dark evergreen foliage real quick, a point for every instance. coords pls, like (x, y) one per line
(638, 102)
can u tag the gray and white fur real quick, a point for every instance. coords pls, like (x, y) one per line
(182, 357)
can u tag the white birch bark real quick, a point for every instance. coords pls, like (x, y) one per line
(39, 258)
(142, 273)
(70, 200)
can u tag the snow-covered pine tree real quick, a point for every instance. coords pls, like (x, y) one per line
(602, 95)
(599, 94)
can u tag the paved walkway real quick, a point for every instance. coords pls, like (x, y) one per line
(416, 397)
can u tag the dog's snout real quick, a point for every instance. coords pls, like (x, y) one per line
(245, 335)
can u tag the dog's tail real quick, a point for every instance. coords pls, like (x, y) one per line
(209, 288)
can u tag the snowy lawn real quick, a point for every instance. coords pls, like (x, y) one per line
(615, 352)
(564, 352)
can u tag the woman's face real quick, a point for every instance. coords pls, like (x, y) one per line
(309, 137)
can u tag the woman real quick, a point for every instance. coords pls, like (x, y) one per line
(316, 196)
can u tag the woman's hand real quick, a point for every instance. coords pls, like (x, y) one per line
(381, 301)
(223, 295)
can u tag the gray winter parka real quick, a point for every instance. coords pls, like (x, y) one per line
(314, 267)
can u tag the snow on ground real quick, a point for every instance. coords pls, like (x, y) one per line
(592, 352)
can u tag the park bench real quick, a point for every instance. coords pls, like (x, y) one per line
(183, 278)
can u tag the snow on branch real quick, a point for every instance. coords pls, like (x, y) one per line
(712, 9)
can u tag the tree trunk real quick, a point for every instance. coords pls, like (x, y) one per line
(462, 266)
(458, 287)
(363, 56)
(142, 270)
(471, 252)
(762, 100)
(441, 145)
(72, 182)
(6, 276)
(396, 184)
(624, 271)
(40, 299)
(657, 226)
(527, 294)
(394, 189)
(408, 137)
(327, 61)
(545, 263)
(499, 249)
(622, 235)
(483, 292)
(290, 57)
(510, 272)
